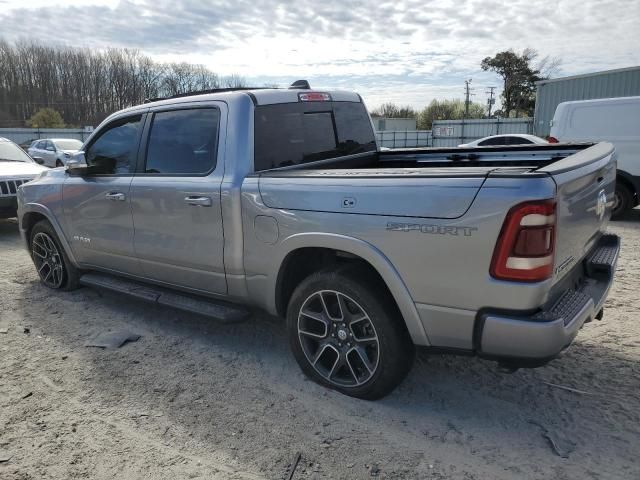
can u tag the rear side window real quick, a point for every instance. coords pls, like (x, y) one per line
(494, 141)
(295, 133)
(518, 141)
(183, 142)
(115, 146)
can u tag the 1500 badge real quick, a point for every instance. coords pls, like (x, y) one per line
(80, 239)
(433, 229)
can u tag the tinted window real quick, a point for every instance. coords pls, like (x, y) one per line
(355, 133)
(518, 141)
(49, 146)
(183, 141)
(41, 145)
(494, 141)
(113, 151)
(295, 133)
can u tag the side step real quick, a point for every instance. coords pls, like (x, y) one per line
(605, 256)
(162, 296)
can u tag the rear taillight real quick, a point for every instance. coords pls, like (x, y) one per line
(552, 140)
(525, 247)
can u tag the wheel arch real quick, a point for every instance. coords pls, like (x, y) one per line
(630, 182)
(32, 213)
(302, 254)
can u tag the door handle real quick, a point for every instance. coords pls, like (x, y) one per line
(116, 196)
(198, 201)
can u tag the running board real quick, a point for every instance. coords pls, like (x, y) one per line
(162, 296)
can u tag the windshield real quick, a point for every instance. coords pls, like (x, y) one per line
(10, 152)
(68, 144)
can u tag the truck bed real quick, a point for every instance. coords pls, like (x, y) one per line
(418, 162)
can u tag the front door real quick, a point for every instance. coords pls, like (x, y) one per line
(175, 198)
(97, 205)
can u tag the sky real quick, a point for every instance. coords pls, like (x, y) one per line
(404, 51)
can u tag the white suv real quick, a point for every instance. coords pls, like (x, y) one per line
(16, 168)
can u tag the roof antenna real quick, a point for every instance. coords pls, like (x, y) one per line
(300, 84)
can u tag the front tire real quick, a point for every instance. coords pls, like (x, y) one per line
(347, 334)
(59, 163)
(51, 261)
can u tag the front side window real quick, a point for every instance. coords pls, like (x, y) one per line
(114, 149)
(183, 142)
(50, 146)
(296, 133)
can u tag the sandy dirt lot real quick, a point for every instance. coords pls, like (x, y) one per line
(195, 399)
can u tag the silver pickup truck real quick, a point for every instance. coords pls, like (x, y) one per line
(280, 199)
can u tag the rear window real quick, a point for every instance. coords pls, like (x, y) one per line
(295, 133)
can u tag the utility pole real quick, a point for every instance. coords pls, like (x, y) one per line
(490, 101)
(467, 101)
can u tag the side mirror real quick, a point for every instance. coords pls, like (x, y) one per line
(38, 160)
(76, 165)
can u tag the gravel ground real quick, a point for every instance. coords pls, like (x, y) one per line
(195, 399)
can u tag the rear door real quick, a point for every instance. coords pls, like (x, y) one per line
(176, 201)
(585, 189)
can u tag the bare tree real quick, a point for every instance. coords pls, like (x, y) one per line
(85, 86)
(234, 81)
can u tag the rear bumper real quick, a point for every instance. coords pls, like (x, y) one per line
(539, 337)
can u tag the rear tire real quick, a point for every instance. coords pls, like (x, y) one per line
(623, 201)
(347, 334)
(51, 261)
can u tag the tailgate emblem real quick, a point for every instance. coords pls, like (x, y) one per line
(601, 205)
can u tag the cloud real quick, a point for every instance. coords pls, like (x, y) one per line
(411, 50)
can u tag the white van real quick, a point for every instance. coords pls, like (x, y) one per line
(615, 120)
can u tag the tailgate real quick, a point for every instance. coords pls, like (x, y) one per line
(585, 188)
